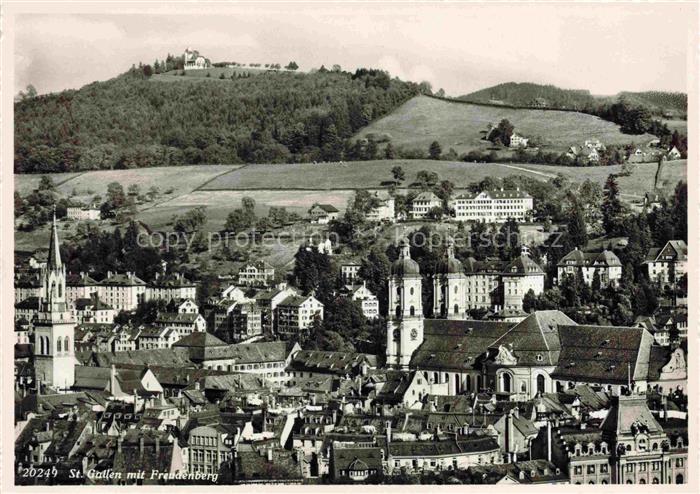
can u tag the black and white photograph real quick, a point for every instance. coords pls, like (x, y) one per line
(348, 244)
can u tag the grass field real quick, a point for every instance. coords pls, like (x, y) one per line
(680, 125)
(422, 120)
(354, 175)
(181, 179)
(640, 181)
(214, 73)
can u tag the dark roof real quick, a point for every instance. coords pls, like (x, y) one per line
(344, 459)
(340, 363)
(455, 345)
(535, 339)
(677, 249)
(176, 318)
(497, 194)
(627, 413)
(523, 472)
(579, 258)
(443, 448)
(29, 303)
(199, 339)
(328, 208)
(602, 354)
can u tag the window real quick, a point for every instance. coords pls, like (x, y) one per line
(590, 469)
(578, 470)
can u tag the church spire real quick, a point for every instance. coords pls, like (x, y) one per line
(54, 260)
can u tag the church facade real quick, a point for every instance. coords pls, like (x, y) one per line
(540, 354)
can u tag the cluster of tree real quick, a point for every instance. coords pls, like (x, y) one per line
(501, 134)
(272, 117)
(38, 207)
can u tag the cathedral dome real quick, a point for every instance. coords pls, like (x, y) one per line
(404, 265)
(451, 265)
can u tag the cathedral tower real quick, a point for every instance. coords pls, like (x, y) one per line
(54, 328)
(405, 322)
(449, 286)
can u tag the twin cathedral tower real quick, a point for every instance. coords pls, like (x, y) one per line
(405, 322)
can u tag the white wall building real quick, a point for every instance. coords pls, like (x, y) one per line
(494, 206)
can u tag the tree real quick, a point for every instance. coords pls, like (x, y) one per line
(530, 301)
(435, 151)
(389, 152)
(292, 66)
(576, 226)
(398, 174)
(612, 207)
(46, 183)
(115, 195)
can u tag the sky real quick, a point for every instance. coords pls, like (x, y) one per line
(604, 48)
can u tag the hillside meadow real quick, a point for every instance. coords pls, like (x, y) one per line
(422, 120)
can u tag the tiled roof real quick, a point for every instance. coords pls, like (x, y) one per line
(455, 345)
(442, 448)
(29, 303)
(356, 459)
(427, 197)
(602, 354)
(536, 335)
(628, 411)
(340, 363)
(580, 258)
(497, 194)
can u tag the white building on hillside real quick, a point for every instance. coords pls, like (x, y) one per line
(494, 206)
(423, 204)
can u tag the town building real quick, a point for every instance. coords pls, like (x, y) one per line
(605, 264)
(296, 313)
(494, 206)
(385, 210)
(423, 204)
(92, 310)
(368, 301)
(669, 263)
(323, 214)
(170, 287)
(124, 292)
(349, 271)
(83, 213)
(258, 273)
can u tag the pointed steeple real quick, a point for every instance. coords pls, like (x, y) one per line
(54, 260)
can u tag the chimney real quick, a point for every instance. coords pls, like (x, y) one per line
(335, 416)
(196, 385)
(269, 454)
(664, 401)
(141, 445)
(388, 431)
(157, 445)
(119, 444)
(113, 379)
(549, 440)
(509, 436)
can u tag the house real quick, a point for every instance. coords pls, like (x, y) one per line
(532, 472)
(80, 285)
(210, 445)
(518, 141)
(494, 206)
(322, 214)
(454, 453)
(194, 61)
(257, 273)
(605, 264)
(122, 291)
(151, 337)
(348, 461)
(368, 301)
(83, 213)
(93, 310)
(185, 323)
(587, 153)
(316, 363)
(674, 154)
(296, 313)
(268, 301)
(423, 203)
(349, 271)
(385, 210)
(170, 287)
(669, 263)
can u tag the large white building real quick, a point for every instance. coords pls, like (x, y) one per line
(295, 314)
(385, 210)
(668, 263)
(368, 301)
(423, 204)
(606, 264)
(193, 60)
(82, 213)
(494, 206)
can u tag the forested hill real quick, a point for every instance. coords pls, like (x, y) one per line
(525, 94)
(133, 121)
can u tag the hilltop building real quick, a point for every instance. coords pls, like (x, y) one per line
(83, 213)
(194, 61)
(323, 214)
